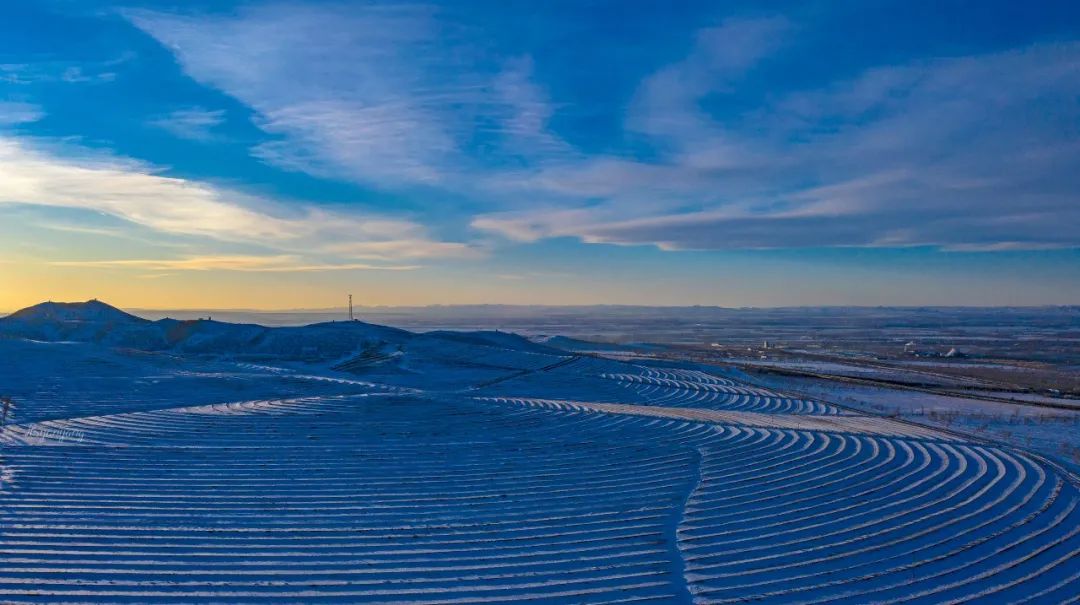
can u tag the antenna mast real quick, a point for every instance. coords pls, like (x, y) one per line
(351, 318)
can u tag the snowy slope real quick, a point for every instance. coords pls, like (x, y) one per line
(97, 322)
(91, 321)
(472, 468)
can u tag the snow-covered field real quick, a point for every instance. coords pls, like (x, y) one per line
(481, 468)
(1048, 431)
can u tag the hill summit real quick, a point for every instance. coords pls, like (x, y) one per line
(91, 311)
(90, 321)
(446, 359)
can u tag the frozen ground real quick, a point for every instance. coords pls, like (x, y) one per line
(483, 468)
(1053, 432)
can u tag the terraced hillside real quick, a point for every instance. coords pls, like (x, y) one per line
(565, 479)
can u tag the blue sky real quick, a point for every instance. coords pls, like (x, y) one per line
(278, 154)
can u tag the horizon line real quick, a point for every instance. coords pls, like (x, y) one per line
(344, 309)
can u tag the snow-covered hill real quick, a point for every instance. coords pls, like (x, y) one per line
(97, 322)
(90, 321)
(482, 468)
(348, 346)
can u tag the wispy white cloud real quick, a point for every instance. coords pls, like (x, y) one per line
(964, 153)
(536, 224)
(13, 113)
(968, 151)
(102, 231)
(37, 174)
(533, 275)
(386, 143)
(85, 72)
(522, 111)
(193, 123)
(406, 249)
(133, 192)
(123, 231)
(370, 112)
(400, 96)
(262, 264)
(667, 104)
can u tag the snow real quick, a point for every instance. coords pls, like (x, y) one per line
(481, 467)
(1050, 432)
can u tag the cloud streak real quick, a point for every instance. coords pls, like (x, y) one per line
(372, 112)
(13, 113)
(194, 123)
(258, 264)
(133, 192)
(966, 152)
(77, 178)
